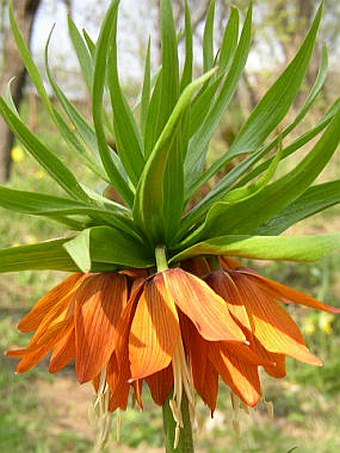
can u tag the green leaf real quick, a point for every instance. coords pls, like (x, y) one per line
(273, 107)
(146, 90)
(85, 131)
(208, 39)
(116, 178)
(188, 63)
(214, 222)
(46, 158)
(90, 43)
(244, 217)
(229, 42)
(170, 66)
(290, 149)
(197, 213)
(127, 135)
(198, 145)
(45, 255)
(205, 98)
(107, 245)
(82, 51)
(27, 58)
(314, 200)
(290, 248)
(147, 211)
(58, 208)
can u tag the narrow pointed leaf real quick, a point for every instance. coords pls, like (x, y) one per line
(290, 248)
(146, 90)
(127, 135)
(247, 215)
(99, 78)
(229, 42)
(83, 54)
(46, 158)
(198, 146)
(40, 204)
(314, 200)
(188, 63)
(46, 255)
(208, 39)
(91, 45)
(147, 209)
(274, 105)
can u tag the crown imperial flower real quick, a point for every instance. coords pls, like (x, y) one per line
(155, 295)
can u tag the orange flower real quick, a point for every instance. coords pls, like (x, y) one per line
(178, 334)
(76, 320)
(174, 330)
(252, 302)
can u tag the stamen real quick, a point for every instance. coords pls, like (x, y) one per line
(235, 402)
(182, 379)
(119, 425)
(99, 415)
(270, 408)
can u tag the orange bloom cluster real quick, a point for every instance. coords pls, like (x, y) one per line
(178, 330)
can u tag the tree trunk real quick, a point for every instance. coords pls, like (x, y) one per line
(25, 11)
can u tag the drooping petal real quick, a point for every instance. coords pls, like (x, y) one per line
(241, 376)
(118, 371)
(161, 384)
(222, 283)
(229, 263)
(64, 352)
(34, 354)
(61, 294)
(285, 293)
(99, 304)
(271, 324)
(117, 378)
(204, 375)
(197, 266)
(203, 306)
(154, 330)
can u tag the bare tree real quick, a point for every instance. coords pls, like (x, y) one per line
(13, 66)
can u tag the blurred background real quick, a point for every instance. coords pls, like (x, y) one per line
(42, 413)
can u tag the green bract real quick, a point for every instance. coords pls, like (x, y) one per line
(159, 163)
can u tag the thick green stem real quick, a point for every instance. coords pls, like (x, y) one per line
(214, 262)
(185, 443)
(161, 261)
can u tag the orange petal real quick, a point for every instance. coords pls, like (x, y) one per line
(229, 263)
(41, 345)
(63, 353)
(161, 384)
(271, 324)
(154, 330)
(202, 305)
(62, 293)
(241, 376)
(223, 284)
(197, 266)
(99, 303)
(117, 379)
(285, 293)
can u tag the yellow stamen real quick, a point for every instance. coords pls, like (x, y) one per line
(100, 415)
(182, 379)
(236, 404)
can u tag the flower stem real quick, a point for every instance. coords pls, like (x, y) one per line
(214, 263)
(185, 443)
(161, 261)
